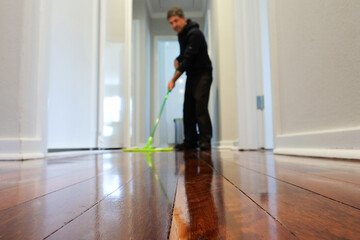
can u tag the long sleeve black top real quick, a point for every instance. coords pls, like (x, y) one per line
(194, 58)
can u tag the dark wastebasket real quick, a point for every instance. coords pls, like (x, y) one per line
(179, 130)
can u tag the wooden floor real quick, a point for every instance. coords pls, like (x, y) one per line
(180, 195)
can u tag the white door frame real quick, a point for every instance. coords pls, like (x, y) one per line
(135, 115)
(128, 53)
(255, 126)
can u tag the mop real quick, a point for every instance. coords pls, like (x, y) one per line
(148, 147)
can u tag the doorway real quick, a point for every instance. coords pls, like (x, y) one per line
(167, 49)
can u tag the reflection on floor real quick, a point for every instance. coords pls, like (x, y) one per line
(180, 195)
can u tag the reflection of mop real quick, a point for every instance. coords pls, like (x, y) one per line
(150, 163)
(148, 147)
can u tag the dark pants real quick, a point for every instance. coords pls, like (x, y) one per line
(196, 111)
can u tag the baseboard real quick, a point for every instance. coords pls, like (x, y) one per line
(62, 154)
(20, 156)
(339, 143)
(232, 145)
(21, 149)
(326, 153)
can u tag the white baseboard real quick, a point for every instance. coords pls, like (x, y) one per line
(20, 156)
(21, 149)
(312, 152)
(339, 143)
(56, 155)
(221, 145)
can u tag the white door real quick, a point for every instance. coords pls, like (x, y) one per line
(89, 86)
(72, 100)
(115, 74)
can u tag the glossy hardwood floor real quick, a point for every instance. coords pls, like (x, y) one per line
(180, 195)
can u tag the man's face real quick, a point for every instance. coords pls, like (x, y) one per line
(177, 23)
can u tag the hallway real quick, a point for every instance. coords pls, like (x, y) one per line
(180, 195)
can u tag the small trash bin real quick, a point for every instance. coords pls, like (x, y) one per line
(179, 130)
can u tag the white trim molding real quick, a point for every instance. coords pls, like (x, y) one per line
(338, 143)
(21, 149)
(127, 83)
(326, 153)
(221, 145)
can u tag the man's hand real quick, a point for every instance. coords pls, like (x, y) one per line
(171, 84)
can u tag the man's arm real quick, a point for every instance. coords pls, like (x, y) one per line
(171, 84)
(176, 63)
(192, 49)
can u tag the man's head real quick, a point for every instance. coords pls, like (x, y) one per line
(176, 19)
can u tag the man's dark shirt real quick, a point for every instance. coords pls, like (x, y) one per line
(193, 58)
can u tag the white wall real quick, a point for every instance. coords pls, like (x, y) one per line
(315, 54)
(22, 110)
(11, 26)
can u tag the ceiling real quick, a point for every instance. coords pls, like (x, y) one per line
(192, 8)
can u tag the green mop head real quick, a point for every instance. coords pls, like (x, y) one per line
(148, 147)
(145, 149)
(151, 149)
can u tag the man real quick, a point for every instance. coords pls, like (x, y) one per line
(195, 61)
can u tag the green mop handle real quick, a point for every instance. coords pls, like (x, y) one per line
(157, 120)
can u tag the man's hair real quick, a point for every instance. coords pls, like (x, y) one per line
(175, 11)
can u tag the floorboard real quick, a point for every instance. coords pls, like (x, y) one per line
(294, 171)
(141, 209)
(208, 206)
(180, 195)
(304, 212)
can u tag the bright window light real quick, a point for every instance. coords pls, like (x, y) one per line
(112, 109)
(108, 131)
